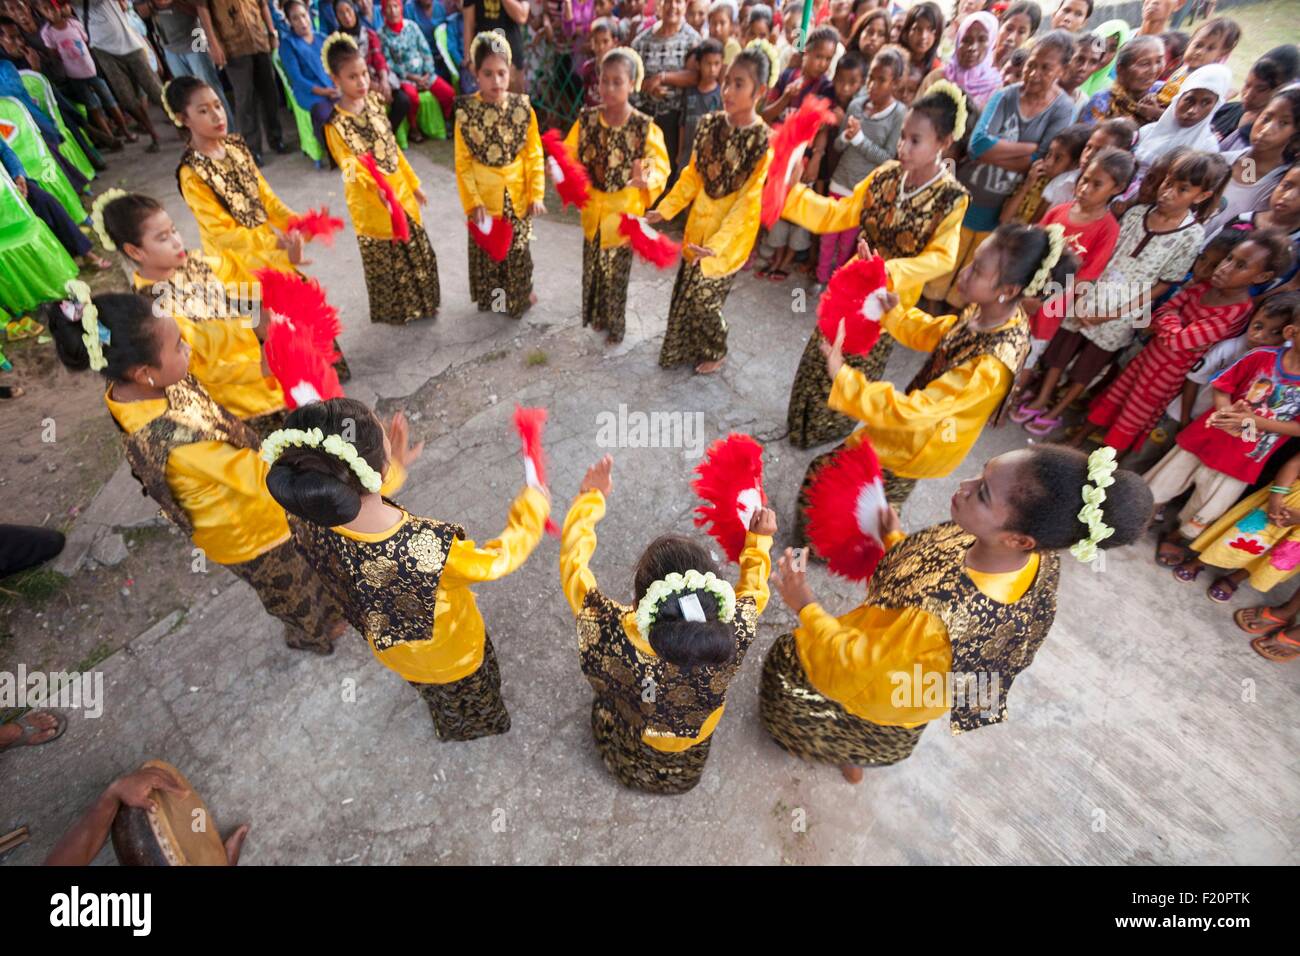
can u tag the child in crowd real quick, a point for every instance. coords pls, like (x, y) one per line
(1027, 204)
(624, 154)
(1118, 134)
(403, 580)
(1088, 51)
(1197, 317)
(401, 275)
(602, 38)
(1274, 146)
(723, 185)
(1156, 247)
(868, 137)
(921, 34)
(501, 175)
(758, 25)
(697, 15)
(1175, 42)
(1283, 215)
(722, 27)
(686, 636)
(704, 97)
(1212, 43)
(1013, 68)
(1017, 24)
(1270, 73)
(64, 34)
(1071, 15)
(1223, 452)
(1186, 122)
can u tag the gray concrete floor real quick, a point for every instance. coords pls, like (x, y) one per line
(1146, 731)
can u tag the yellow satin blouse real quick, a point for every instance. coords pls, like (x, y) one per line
(370, 215)
(728, 226)
(524, 178)
(243, 250)
(455, 647)
(603, 209)
(907, 276)
(926, 433)
(867, 659)
(226, 358)
(578, 544)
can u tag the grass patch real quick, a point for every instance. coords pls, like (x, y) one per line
(496, 356)
(134, 537)
(35, 586)
(536, 357)
(101, 652)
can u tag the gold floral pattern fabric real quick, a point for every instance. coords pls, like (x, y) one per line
(647, 693)
(806, 723)
(494, 132)
(902, 230)
(369, 132)
(471, 707)
(401, 277)
(639, 767)
(233, 180)
(508, 285)
(388, 589)
(191, 416)
(697, 332)
(605, 275)
(608, 151)
(926, 571)
(810, 419)
(725, 155)
(290, 591)
(962, 343)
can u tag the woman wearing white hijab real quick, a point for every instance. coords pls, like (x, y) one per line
(1187, 120)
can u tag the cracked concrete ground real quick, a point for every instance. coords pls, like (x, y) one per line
(1147, 731)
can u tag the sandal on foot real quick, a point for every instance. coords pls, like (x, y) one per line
(1025, 414)
(777, 275)
(1171, 560)
(30, 730)
(1265, 623)
(1187, 576)
(1274, 651)
(1043, 425)
(1221, 591)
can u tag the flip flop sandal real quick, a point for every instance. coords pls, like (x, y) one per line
(1187, 577)
(764, 270)
(778, 275)
(1024, 414)
(1043, 425)
(31, 730)
(1275, 623)
(1273, 654)
(1221, 591)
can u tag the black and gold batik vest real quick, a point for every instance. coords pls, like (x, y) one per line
(725, 157)
(191, 416)
(926, 571)
(388, 589)
(902, 230)
(608, 152)
(1009, 344)
(368, 132)
(649, 694)
(233, 180)
(494, 132)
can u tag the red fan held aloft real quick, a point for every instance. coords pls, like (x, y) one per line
(401, 228)
(299, 344)
(648, 243)
(529, 423)
(851, 297)
(315, 224)
(492, 234)
(571, 180)
(730, 480)
(788, 144)
(844, 506)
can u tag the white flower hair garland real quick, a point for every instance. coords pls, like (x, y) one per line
(274, 444)
(93, 335)
(97, 215)
(647, 610)
(1055, 248)
(1101, 471)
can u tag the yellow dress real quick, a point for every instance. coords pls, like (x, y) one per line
(886, 665)
(578, 544)
(226, 356)
(604, 207)
(1244, 538)
(237, 211)
(455, 646)
(927, 430)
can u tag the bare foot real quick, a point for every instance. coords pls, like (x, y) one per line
(851, 773)
(92, 261)
(532, 298)
(708, 368)
(234, 843)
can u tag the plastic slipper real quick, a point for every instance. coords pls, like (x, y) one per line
(1043, 425)
(1024, 414)
(1186, 576)
(1221, 591)
(1272, 652)
(1275, 623)
(31, 730)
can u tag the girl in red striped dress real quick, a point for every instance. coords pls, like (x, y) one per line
(1200, 315)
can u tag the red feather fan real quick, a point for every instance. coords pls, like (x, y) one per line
(730, 480)
(652, 246)
(788, 144)
(850, 296)
(529, 423)
(495, 241)
(401, 228)
(299, 344)
(315, 224)
(571, 179)
(844, 503)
